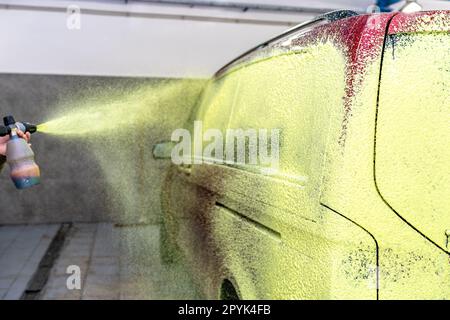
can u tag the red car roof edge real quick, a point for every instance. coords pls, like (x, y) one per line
(423, 21)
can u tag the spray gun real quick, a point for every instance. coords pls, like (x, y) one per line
(24, 171)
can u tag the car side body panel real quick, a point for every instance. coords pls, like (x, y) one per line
(318, 228)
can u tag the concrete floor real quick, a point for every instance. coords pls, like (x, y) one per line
(21, 250)
(115, 263)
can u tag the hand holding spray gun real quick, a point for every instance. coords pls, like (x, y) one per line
(4, 140)
(14, 137)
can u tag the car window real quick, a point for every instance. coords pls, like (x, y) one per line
(293, 92)
(215, 105)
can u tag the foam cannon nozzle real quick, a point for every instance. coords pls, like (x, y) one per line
(24, 171)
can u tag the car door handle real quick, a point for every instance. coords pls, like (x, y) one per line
(185, 168)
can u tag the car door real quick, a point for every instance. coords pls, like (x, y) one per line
(184, 200)
(412, 154)
(269, 235)
(413, 134)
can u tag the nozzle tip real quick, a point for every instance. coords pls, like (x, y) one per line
(31, 128)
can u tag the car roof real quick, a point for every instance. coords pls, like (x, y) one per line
(324, 18)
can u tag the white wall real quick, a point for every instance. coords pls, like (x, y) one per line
(37, 40)
(153, 40)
